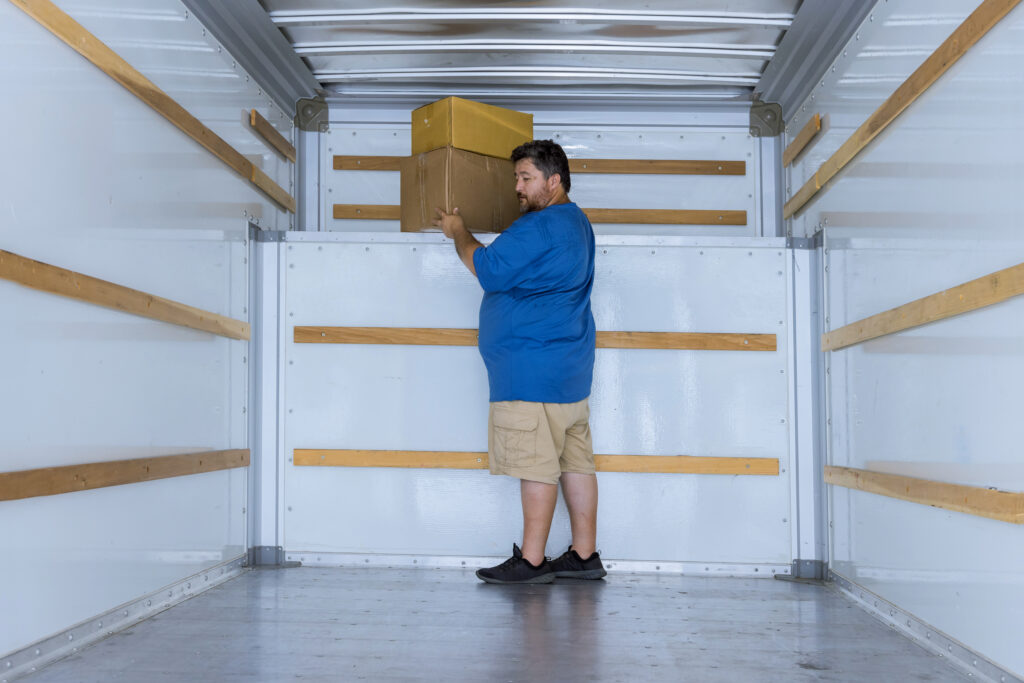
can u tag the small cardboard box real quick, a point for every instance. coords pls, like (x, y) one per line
(482, 187)
(471, 126)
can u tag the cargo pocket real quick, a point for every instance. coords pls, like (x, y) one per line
(515, 437)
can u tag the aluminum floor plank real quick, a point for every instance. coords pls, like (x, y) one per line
(427, 624)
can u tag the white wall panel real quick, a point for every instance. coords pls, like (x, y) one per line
(644, 402)
(891, 43)
(930, 204)
(619, 138)
(95, 181)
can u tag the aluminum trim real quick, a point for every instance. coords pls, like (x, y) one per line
(602, 240)
(819, 31)
(335, 559)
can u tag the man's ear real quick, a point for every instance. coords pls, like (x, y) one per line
(553, 181)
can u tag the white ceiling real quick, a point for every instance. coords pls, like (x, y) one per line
(701, 50)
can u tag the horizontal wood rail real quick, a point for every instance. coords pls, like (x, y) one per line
(435, 336)
(658, 166)
(384, 212)
(462, 460)
(97, 52)
(63, 282)
(984, 291)
(980, 21)
(1006, 506)
(667, 216)
(803, 138)
(271, 135)
(346, 162)
(641, 216)
(625, 166)
(49, 481)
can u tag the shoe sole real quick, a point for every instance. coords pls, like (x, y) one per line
(544, 578)
(582, 574)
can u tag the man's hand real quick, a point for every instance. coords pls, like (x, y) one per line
(450, 223)
(455, 229)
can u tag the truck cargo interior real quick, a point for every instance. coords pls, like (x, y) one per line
(244, 414)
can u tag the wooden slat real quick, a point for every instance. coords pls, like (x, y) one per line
(660, 464)
(667, 216)
(644, 216)
(389, 212)
(47, 278)
(803, 195)
(658, 166)
(1006, 506)
(48, 481)
(980, 21)
(97, 52)
(802, 139)
(413, 336)
(272, 189)
(344, 162)
(970, 296)
(271, 135)
(686, 464)
(702, 341)
(626, 166)
(431, 336)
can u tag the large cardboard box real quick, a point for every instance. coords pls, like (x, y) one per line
(482, 187)
(471, 126)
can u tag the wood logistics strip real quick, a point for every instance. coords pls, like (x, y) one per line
(984, 291)
(433, 336)
(63, 282)
(803, 138)
(981, 20)
(1006, 506)
(465, 460)
(271, 135)
(49, 481)
(638, 216)
(97, 52)
(343, 162)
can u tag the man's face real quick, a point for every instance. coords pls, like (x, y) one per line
(534, 191)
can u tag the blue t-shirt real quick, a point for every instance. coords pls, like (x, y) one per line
(536, 329)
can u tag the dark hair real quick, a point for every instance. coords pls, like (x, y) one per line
(548, 156)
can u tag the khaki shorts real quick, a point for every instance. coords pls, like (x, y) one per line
(539, 441)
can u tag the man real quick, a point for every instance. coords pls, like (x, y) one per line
(537, 341)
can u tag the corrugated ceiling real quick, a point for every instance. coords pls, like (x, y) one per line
(706, 50)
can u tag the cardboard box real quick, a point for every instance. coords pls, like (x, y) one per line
(482, 187)
(471, 126)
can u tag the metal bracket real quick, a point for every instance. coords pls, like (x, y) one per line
(268, 556)
(765, 119)
(809, 569)
(270, 235)
(815, 241)
(311, 114)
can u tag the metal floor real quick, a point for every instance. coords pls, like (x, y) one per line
(443, 625)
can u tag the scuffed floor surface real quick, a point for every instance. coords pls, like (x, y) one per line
(443, 625)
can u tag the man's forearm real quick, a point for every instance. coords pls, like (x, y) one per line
(465, 245)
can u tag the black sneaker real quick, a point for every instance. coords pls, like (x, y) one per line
(571, 566)
(517, 569)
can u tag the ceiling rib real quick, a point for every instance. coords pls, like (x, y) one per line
(490, 72)
(336, 17)
(533, 46)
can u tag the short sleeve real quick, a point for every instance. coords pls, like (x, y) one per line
(506, 263)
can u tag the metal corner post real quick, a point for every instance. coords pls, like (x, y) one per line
(264, 427)
(810, 551)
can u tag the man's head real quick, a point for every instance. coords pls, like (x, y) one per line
(542, 175)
